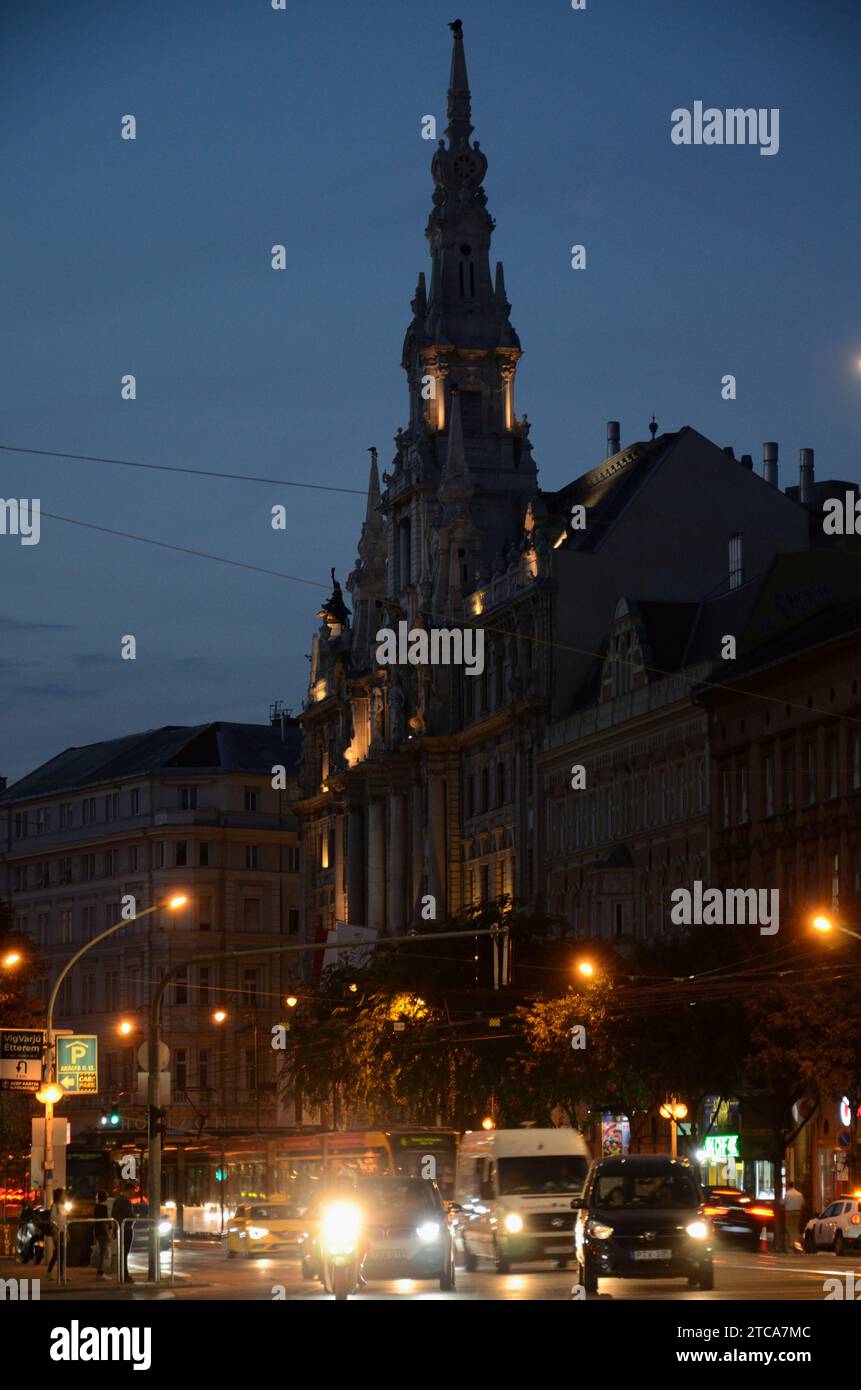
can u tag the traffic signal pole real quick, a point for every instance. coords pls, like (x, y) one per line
(154, 1136)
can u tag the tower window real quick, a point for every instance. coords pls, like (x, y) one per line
(470, 411)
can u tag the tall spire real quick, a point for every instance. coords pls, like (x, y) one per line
(459, 128)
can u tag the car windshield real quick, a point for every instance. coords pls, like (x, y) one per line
(645, 1191)
(405, 1196)
(542, 1173)
(275, 1212)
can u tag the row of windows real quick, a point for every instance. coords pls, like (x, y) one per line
(192, 1069)
(94, 809)
(592, 817)
(81, 923)
(799, 786)
(179, 854)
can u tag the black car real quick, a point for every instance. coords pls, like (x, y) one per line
(641, 1217)
(738, 1218)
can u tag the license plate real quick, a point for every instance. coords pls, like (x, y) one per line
(651, 1254)
(385, 1254)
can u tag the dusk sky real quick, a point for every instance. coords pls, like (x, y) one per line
(257, 127)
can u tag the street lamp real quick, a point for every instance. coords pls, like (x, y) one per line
(674, 1111)
(11, 959)
(586, 969)
(48, 1061)
(125, 1027)
(487, 1123)
(826, 924)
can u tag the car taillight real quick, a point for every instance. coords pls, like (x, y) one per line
(855, 1220)
(715, 1211)
(762, 1211)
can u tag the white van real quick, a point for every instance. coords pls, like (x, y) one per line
(516, 1188)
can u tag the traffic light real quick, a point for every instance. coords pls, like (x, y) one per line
(157, 1120)
(110, 1118)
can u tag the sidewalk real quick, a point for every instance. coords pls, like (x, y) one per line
(82, 1279)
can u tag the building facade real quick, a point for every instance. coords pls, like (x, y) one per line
(420, 783)
(125, 824)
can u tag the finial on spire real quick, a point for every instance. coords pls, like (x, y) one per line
(653, 427)
(459, 126)
(456, 28)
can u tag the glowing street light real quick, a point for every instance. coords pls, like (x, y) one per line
(487, 1123)
(11, 959)
(176, 902)
(586, 969)
(674, 1111)
(291, 1001)
(220, 1015)
(822, 923)
(50, 1094)
(125, 1027)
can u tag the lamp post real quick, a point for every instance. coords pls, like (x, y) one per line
(674, 1111)
(50, 1090)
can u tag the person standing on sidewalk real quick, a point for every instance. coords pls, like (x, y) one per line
(122, 1210)
(58, 1231)
(793, 1203)
(101, 1231)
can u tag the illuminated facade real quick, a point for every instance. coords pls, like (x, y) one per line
(428, 781)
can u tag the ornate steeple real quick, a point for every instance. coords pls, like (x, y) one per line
(367, 582)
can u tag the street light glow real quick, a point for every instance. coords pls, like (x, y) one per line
(220, 1015)
(125, 1027)
(586, 968)
(487, 1123)
(291, 1001)
(12, 958)
(179, 901)
(822, 923)
(50, 1094)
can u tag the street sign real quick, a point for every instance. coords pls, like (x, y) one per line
(163, 1056)
(21, 1059)
(77, 1064)
(163, 1087)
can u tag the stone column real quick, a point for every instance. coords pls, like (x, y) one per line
(398, 916)
(356, 867)
(340, 894)
(376, 866)
(436, 842)
(417, 852)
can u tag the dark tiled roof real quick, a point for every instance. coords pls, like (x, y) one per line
(607, 490)
(217, 747)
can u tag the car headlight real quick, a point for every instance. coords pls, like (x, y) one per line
(257, 1232)
(697, 1230)
(340, 1228)
(598, 1230)
(513, 1223)
(428, 1231)
(164, 1228)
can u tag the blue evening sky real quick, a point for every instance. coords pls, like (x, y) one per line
(303, 127)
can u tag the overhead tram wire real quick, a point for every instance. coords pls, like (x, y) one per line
(175, 468)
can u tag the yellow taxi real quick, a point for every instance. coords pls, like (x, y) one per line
(265, 1227)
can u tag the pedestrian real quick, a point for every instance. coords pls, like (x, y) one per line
(58, 1231)
(122, 1211)
(101, 1231)
(793, 1203)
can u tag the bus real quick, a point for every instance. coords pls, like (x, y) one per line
(204, 1177)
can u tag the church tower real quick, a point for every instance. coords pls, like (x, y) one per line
(460, 356)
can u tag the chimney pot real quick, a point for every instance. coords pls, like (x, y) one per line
(805, 476)
(769, 462)
(747, 461)
(612, 438)
(729, 451)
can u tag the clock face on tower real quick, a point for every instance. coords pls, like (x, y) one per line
(465, 166)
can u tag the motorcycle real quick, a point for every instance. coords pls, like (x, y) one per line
(340, 1248)
(34, 1226)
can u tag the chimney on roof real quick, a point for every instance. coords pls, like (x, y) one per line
(612, 438)
(769, 463)
(805, 476)
(747, 461)
(729, 451)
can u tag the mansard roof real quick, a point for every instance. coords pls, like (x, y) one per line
(173, 749)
